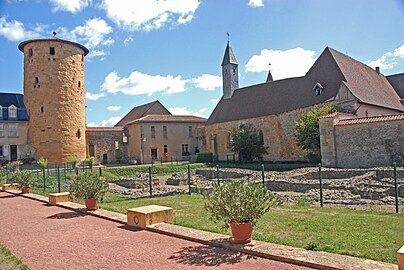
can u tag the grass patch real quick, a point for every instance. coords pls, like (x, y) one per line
(157, 170)
(366, 234)
(9, 261)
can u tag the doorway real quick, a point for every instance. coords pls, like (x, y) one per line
(104, 159)
(154, 153)
(13, 152)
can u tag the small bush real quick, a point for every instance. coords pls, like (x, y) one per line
(204, 158)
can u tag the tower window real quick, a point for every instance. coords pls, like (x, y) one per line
(30, 52)
(42, 109)
(79, 84)
(36, 80)
(78, 134)
(82, 58)
(234, 71)
(52, 50)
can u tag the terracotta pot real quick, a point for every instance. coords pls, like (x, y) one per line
(25, 190)
(241, 233)
(91, 204)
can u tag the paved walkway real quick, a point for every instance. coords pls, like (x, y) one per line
(50, 237)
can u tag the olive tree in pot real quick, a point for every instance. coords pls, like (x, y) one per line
(239, 204)
(88, 186)
(24, 180)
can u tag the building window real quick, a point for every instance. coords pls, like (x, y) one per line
(190, 132)
(12, 131)
(30, 52)
(52, 50)
(165, 132)
(153, 132)
(91, 150)
(1, 151)
(42, 109)
(36, 80)
(1, 130)
(185, 150)
(165, 151)
(234, 71)
(12, 112)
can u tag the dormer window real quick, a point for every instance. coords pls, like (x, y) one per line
(318, 89)
(12, 112)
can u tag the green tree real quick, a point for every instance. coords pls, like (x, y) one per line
(247, 142)
(308, 131)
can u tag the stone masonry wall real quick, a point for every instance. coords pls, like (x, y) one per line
(370, 144)
(104, 143)
(278, 131)
(54, 97)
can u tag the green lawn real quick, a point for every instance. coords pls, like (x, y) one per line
(367, 234)
(8, 261)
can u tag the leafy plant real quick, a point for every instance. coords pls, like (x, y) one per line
(90, 162)
(308, 131)
(303, 200)
(42, 162)
(238, 202)
(73, 161)
(87, 185)
(248, 142)
(312, 246)
(23, 178)
(204, 157)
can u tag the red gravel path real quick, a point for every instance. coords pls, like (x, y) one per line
(50, 237)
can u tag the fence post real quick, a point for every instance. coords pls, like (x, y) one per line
(320, 176)
(396, 184)
(217, 174)
(150, 182)
(100, 169)
(189, 179)
(65, 170)
(77, 170)
(44, 179)
(263, 174)
(58, 179)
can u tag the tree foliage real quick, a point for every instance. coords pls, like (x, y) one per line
(247, 142)
(308, 131)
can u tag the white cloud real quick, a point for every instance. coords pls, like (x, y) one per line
(113, 108)
(15, 30)
(284, 64)
(208, 82)
(388, 60)
(140, 83)
(151, 14)
(214, 100)
(72, 6)
(92, 33)
(110, 41)
(127, 41)
(91, 96)
(96, 53)
(256, 3)
(106, 123)
(183, 111)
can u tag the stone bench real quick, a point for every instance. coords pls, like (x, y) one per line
(148, 215)
(55, 198)
(5, 187)
(400, 257)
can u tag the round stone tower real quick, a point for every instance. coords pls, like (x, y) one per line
(54, 97)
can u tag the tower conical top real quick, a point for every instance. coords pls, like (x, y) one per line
(229, 57)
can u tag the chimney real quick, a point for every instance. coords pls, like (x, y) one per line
(377, 70)
(269, 77)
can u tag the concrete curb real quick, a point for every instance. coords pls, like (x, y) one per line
(297, 256)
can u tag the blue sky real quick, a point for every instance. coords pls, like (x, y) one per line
(171, 51)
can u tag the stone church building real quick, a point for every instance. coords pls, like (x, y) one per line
(274, 107)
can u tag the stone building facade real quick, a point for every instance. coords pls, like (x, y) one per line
(108, 145)
(349, 141)
(54, 97)
(274, 107)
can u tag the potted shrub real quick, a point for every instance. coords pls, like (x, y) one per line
(239, 204)
(88, 186)
(24, 180)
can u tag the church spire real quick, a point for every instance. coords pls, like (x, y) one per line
(229, 71)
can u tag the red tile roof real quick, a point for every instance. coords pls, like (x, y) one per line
(170, 118)
(140, 111)
(373, 119)
(103, 129)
